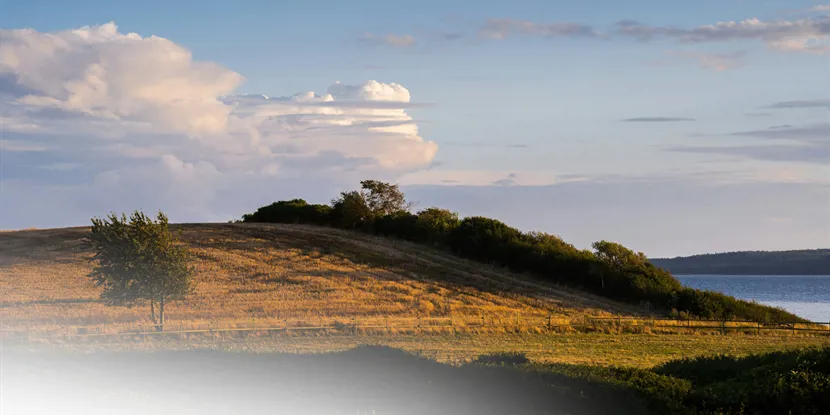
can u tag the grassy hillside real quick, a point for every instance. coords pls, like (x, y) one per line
(263, 274)
(609, 270)
(801, 262)
(276, 272)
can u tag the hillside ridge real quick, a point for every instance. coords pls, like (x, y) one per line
(279, 271)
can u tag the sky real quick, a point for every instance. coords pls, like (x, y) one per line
(674, 128)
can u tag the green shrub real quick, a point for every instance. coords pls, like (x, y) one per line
(795, 382)
(291, 211)
(504, 358)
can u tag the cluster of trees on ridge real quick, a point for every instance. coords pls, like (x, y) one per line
(610, 270)
(798, 262)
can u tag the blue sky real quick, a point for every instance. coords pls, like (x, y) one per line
(671, 127)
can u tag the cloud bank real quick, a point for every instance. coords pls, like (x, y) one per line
(140, 124)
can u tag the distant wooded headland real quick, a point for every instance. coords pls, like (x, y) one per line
(800, 262)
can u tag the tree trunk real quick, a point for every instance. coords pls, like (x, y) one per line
(153, 310)
(161, 313)
(160, 323)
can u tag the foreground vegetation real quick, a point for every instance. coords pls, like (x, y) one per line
(800, 262)
(794, 382)
(611, 270)
(385, 381)
(623, 350)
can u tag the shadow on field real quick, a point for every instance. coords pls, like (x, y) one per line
(366, 380)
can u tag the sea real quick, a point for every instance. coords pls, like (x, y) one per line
(806, 296)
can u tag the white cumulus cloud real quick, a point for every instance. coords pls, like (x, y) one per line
(145, 124)
(103, 73)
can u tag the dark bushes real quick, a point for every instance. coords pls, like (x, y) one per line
(291, 211)
(612, 270)
(793, 382)
(796, 382)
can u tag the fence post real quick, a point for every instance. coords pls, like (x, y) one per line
(759, 327)
(354, 326)
(482, 321)
(548, 322)
(419, 324)
(794, 323)
(723, 327)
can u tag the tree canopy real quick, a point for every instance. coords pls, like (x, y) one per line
(137, 259)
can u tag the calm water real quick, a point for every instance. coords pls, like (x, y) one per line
(805, 296)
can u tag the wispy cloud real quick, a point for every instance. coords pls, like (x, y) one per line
(712, 61)
(802, 35)
(482, 144)
(806, 144)
(658, 119)
(510, 180)
(807, 103)
(22, 146)
(504, 28)
(391, 40)
(814, 133)
(451, 36)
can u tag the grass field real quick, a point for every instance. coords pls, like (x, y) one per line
(277, 272)
(630, 350)
(261, 275)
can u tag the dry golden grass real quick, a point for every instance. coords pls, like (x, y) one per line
(631, 350)
(260, 274)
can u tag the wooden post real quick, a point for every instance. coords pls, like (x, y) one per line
(482, 321)
(758, 331)
(419, 324)
(548, 322)
(723, 327)
(794, 323)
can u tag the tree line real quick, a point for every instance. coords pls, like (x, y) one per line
(609, 270)
(798, 262)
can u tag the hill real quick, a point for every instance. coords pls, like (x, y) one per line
(274, 272)
(609, 270)
(800, 262)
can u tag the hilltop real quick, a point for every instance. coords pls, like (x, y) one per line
(279, 271)
(609, 270)
(797, 262)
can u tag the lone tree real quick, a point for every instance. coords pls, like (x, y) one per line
(138, 260)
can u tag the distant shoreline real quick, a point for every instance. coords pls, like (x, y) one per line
(780, 263)
(754, 275)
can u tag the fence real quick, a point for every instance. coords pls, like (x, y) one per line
(418, 325)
